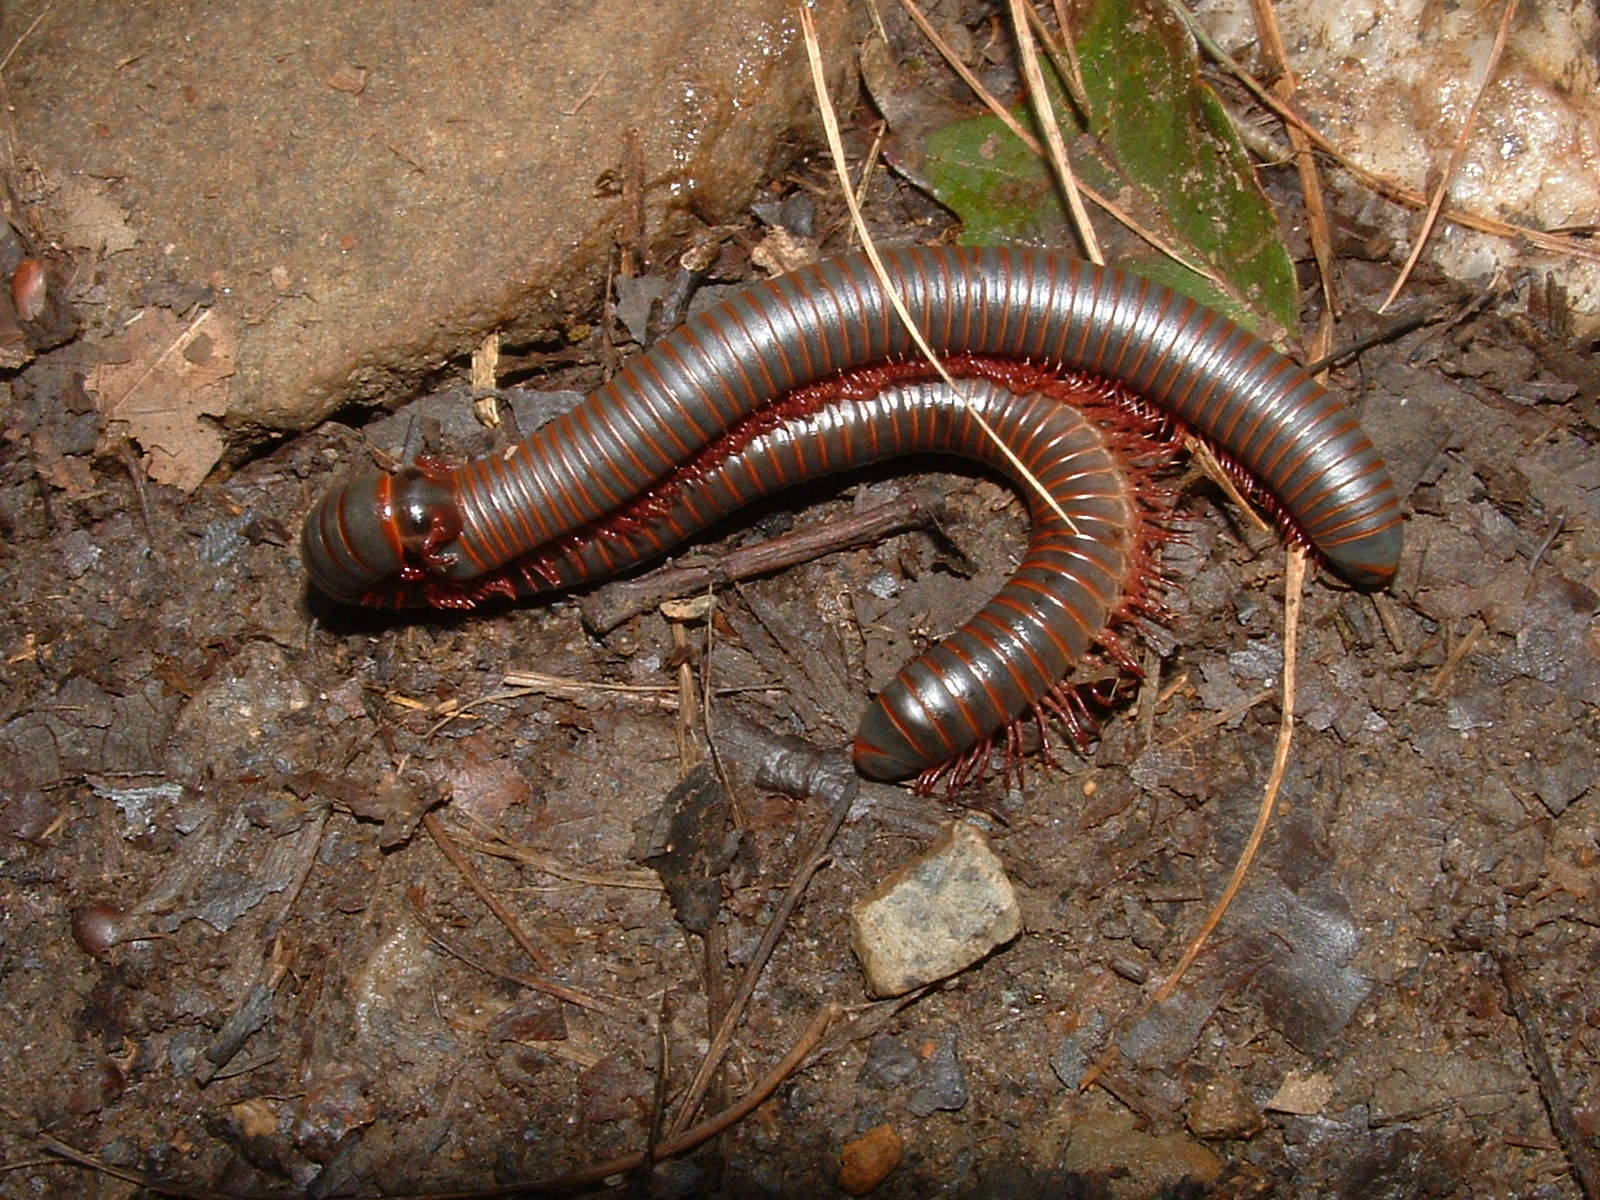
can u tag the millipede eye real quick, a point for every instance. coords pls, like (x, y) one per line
(424, 513)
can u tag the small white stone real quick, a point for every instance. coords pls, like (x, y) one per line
(936, 915)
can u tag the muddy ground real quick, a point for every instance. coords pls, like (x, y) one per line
(306, 995)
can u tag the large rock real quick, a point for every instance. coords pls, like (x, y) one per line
(361, 191)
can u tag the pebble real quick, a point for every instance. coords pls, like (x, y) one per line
(1123, 1161)
(936, 915)
(1219, 1109)
(866, 1162)
(941, 1085)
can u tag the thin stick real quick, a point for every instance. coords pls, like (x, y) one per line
(1294, 580)
(519, 684)
(1221, 717)
(1305, 164)
(617, 602)
(667, 1148)
(1397, 328)
(88, 1161)
(1454, 659)
(678, 1143)
(500, 970)
(874, 152)
(23, 36)
(1045, 112)
(1003, 115)
(1456, 152)
(1569, 1132)
(769, 940)
(1065, 59)
(548, 864)
(1205, 458)
(1554, 242)
(830, 124)
(447, 845)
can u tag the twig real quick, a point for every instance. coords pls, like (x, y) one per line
(492, 966)
(1310, 179)
(23, 36)
(690, 716)
(88, 1161)
(868, 166)
(830, 125)
(548, 864)
(1237, 709)
(1065, 60)
(1454, 659)
(1399, 327)
(658, 1098)
(1003, 115)
(1205, 458)
(1553, 241)
(1584, 1164)
(1456, 151)
(666, 1148)
(1558, 522)
(612, 605)
(678, 1143)
(520, 684)
(1488, 939)
(1389, 618)
(442, 839)
(1294, 580)
(1045, 113)
(758, 962)
(588, 95)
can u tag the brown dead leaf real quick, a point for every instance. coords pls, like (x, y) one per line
(92, 219)
(484, 785)
(1303, 1095)
(69, 473)
(169, 381)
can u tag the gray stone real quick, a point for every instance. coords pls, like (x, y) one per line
(1219, 1108)
(936, 915)
(364, 190)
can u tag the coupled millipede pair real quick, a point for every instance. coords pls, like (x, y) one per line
(813, 372)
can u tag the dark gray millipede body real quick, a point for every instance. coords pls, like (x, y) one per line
(995, 667)
(1298, 441)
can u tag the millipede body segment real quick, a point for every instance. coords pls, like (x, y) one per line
(812, 373)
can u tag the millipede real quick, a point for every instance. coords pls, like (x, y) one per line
(1071, 367)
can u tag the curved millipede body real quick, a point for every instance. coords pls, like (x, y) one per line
(812, 372)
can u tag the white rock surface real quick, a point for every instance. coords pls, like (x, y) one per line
(1390, 82)
(936, 915)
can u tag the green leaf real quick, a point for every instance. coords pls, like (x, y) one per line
(1159, 143)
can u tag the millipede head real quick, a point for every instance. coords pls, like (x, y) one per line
(376, 528)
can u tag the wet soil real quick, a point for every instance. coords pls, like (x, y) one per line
(228, 779)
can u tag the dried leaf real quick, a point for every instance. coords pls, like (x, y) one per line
(1303, 1095)
(69, 473)
(170, 381)
(92, 219)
